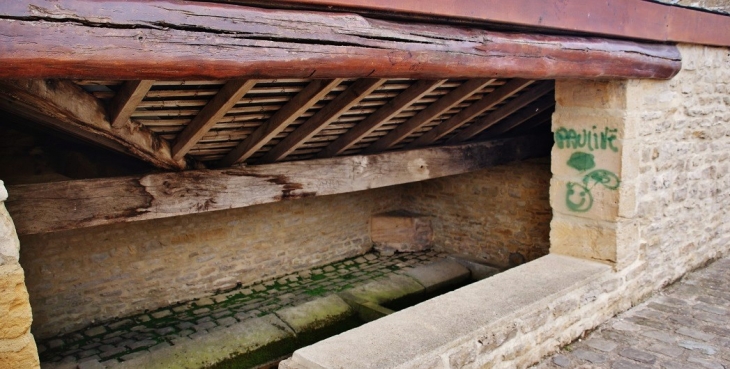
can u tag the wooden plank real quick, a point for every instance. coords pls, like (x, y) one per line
(425, 116)
(288, 113)
(344, 101)
(126, 100)
(49, 207)
(216, 108)
(646, 20)
(527, 97)
(381, 116)
(198, 40)
(518, 118)
(472, 111)
(65, 106)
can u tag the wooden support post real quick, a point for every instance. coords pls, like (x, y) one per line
(344, 101)
(533, 94)
(423, 117)
(65, 106)
(126, 100)
(47, 207)
(216, 108)
(381, 116)
(193, 40)
(295, 107)
(471, 112)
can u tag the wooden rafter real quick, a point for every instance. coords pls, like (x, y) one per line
(189, 39)
(222, 102)
(518, 118)
(381, 116)
(299, 104)
(472, 111)
(340, 104)
(528, 127)
(126, 100)
(512, 106)
(425, 116)
(47, 207)
(65, 106)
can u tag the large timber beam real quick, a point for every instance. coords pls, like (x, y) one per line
(64, 106)
(213, 40)
(48, 207)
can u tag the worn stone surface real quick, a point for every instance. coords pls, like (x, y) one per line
(654, 334)
(288, 297)
(440, 274)
(315, 314)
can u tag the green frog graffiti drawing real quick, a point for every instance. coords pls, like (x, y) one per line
(578, 196)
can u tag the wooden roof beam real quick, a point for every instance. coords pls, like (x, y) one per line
(512, 106)
(217, 107)
(340, 104)
(208, 40)
(65, 106)
(392, 108)
(299, 104)
(428, 114)
(48, 207)
(126, 100)
(518, 118)
(472, 111)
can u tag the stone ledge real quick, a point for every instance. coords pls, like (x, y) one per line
(417, 337)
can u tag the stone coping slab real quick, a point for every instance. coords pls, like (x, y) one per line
(414, 337)
(439, 274)
(315, 314)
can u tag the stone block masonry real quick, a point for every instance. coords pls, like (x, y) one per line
(91, 275)
(17, 347)
(497, 214)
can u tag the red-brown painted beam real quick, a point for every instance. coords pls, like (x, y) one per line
(138, 39)
(624, 18)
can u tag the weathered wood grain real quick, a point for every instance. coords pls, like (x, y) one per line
(295, 107)
(328, 114)
(213, 111)
(428, 114)
(537, 91)
(176, 39)
(126, 100)
(472, 111)
(380, 117)
(48, 207)
(65, 106)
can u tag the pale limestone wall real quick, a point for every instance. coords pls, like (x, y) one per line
(94, 274)
(722, 6)
(490, 213)
(17, 347)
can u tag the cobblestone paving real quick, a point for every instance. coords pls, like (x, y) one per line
(134, 336)
(686, 326)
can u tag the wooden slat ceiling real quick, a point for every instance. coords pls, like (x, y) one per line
(223, 123)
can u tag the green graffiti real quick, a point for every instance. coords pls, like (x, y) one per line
(591, 139)
(580, 200)
(578, 196)
(582, 161)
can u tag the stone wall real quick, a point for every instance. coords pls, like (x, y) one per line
(490, 214)
(17, 347)
(720, 6)
(94, 274)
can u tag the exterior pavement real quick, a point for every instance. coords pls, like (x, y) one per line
(685, 326)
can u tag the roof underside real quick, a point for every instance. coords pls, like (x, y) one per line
(300, 119)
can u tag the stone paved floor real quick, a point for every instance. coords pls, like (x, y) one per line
(686, 326)
(134, 336)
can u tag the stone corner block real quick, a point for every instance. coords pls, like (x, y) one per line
(401, 231)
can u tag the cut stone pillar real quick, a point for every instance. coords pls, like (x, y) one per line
(400, 231)
(594, 166)
(17, 347)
